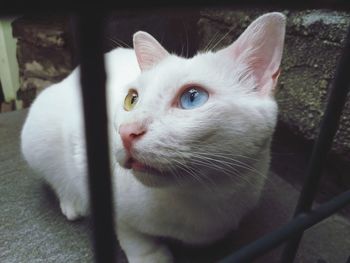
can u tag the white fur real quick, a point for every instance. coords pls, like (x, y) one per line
(231, 132)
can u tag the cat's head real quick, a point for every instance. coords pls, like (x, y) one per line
(205, 117)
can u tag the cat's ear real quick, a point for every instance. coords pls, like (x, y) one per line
(149, 51)
(260, 48)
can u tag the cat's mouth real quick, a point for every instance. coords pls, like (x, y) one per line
(148, 175)
(137, 166)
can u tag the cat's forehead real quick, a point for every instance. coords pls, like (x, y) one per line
(175, 72)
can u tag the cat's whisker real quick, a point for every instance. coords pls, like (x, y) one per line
(115, 42)
(228, 157)
(187, 39)
(230, 171)
(222, 38)
(235, 162)
(182, 50)
(225, 165)
(173, 171)
(187, 171)
(194, 174)
(213, 160)
(198, 159)
(229, 166)
(213, 39)
(124, 43)
(222, 152)
(118, 42)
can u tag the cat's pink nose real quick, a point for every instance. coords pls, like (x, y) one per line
(130, 133)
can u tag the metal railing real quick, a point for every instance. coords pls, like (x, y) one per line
(93, 78)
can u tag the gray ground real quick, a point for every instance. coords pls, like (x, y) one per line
(32, 229)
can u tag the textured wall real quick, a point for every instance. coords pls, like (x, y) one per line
(313, 44)
(43, 53)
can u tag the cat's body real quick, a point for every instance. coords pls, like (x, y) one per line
(189, 174)
(63, 163)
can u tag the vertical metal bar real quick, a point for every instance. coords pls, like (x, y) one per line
(93, 80)
(329, 126)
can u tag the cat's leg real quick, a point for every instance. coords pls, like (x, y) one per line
(73, 201)
(73, 191)
(73, 207)
(141, 248)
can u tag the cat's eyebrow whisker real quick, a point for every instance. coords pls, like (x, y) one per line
(119, 42)
(222, 38)
(187, 41)
(115, 42)
(213, 39)
(124, 43)
(182, 50)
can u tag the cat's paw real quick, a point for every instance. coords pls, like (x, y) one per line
(73, 210)
(160, 255)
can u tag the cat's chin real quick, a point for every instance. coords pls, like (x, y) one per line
(146, 174)
(150, 179)
(136, 165)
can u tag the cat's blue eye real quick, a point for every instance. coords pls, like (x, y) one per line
(193, 98)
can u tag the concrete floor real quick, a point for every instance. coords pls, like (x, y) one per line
(32, 229)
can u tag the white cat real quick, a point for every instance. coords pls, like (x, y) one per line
(189, 138)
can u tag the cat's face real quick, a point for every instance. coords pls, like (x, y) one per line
(201, 118)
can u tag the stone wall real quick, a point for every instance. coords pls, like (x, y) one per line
(314, 40)
(44, 53)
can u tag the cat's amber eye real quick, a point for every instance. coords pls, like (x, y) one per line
(131, 100)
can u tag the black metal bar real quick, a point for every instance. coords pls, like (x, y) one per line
(297, 225)
(93, 79)
(348, 261)
(329, 126)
